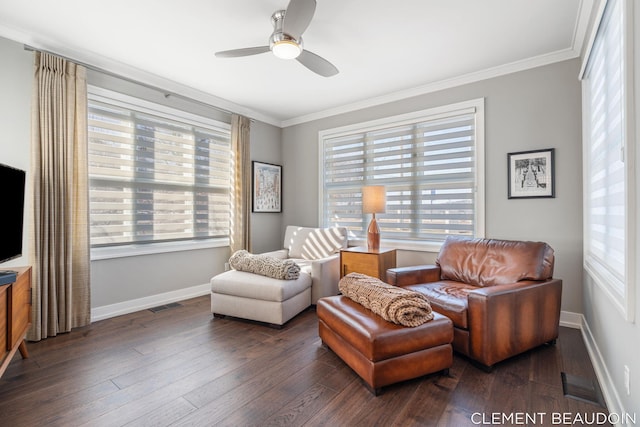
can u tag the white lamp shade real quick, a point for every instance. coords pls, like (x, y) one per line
(374, 199)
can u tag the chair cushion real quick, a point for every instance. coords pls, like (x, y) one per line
(314, 243)
(255, 286)
(447, 297)
(489, 262)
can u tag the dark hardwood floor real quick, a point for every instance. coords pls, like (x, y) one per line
(180, 366)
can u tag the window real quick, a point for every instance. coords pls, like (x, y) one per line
(431, 164)
(608, 160)
(156, 174)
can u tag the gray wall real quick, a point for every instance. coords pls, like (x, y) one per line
(16, 80)
(533, 109)
(266, 227)
(122, 280)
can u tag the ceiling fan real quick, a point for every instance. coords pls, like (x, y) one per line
(286, 40)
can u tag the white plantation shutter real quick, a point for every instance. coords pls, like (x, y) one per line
(428, 167)
(155, 176)
(604, 155)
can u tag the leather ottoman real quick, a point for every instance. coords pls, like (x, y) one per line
(381, 352)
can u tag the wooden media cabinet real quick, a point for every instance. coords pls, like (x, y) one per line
(15, 316)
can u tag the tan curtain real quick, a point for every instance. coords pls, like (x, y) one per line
(60, 223)
(241, 184)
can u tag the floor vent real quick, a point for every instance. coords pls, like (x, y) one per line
(583, 389)
(164, 307)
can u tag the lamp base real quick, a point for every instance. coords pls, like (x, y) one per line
(373, 235)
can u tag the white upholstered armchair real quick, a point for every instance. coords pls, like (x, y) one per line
(275, 301)
(317, 252)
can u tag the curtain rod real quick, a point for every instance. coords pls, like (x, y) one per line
(130, 80)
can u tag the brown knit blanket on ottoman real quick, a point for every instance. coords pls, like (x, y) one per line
(393, 304)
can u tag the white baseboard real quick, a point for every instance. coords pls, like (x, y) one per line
(611, 396)
(571, 320)
(125, 307)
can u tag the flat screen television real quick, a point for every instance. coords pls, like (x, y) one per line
(12, 187)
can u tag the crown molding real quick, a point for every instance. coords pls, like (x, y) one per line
(474, 77)
(104, 64)
(580, 31)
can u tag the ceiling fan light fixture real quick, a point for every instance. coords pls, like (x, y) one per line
(286, 40)
(286, 49)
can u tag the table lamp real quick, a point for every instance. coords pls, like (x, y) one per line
(374, 200)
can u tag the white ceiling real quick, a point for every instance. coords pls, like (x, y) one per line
(384, 49)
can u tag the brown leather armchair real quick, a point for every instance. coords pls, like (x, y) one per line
(500, 295)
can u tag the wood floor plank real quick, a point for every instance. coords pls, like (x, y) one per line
(288, 400)
(155, 391)
(220, 398)
(459, 417)
(189, 354)
(473, 390)
(51, 401)
(383, 410)
(511, 389)
(546, 364)
(574, 354)
(340, 411)
(340, 377)
(160, 417)
(181, 366)
(300, 410)
(67, 377)
(429, 403)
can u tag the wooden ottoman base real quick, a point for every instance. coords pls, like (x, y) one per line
(380, 352)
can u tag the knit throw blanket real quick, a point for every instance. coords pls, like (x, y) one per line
(283, 269)
(393, 304)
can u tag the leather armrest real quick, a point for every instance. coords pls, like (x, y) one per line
(404, 276)
(488, 291)
(505, 320)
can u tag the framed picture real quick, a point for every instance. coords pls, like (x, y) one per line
(267, 187)
(531, 174)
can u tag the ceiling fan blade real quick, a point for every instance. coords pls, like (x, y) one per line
(317, 64)
(234, 53)
(298, 17)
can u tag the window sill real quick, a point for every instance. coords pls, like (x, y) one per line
(402, 245)
(155, 248)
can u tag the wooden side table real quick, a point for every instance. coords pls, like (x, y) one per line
(373, 263)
